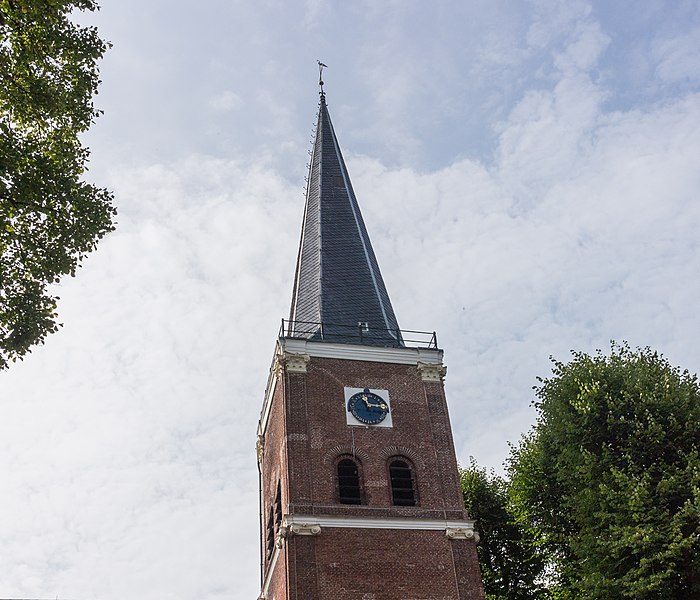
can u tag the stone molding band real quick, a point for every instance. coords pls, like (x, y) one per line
(461, 528)
(401, 356)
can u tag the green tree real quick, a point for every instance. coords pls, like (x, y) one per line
(49, 218)
(608, 481)
(511, 564)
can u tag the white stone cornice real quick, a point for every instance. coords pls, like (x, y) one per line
(462, 533)
(403, 356)
(260, 448)
(281, 537)
(294, 362)
(378, 523)
(272, 379)
(304, 528)
(431, 371)
(277, 364)
(267, 405)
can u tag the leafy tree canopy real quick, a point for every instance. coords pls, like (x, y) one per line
(49, 218)
(511, 564)
(608, 481)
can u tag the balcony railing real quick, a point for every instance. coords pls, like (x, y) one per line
(358, 334)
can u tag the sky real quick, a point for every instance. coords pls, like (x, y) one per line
(528, 172)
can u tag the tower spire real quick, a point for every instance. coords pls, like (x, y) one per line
(339, 294)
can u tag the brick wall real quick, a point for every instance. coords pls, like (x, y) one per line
(383, 564)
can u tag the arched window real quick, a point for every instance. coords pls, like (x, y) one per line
(278, 506)
(349, 482)
(270, 533)
(274, 520)
(403, 485)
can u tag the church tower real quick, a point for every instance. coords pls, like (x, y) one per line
(360, 494)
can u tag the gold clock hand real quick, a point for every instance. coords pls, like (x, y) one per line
(382, 405)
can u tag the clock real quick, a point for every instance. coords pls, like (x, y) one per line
(367, 407)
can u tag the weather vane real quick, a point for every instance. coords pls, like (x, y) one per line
(320, 74)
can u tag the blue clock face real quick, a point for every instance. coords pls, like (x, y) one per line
(368, 408)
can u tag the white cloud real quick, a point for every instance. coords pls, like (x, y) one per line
(226, 101)
(555, 19)
(584, 50)
(313, 12)
(678, 57)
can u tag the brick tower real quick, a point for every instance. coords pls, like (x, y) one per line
(360, 495)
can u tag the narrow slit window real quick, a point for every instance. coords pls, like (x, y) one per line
(403, 491)
(348, 482)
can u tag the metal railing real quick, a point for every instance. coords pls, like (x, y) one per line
(358, 334)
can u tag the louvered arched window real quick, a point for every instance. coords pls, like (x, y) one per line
(270, 533)
(403, 482)
(274, 520)
(349, 491)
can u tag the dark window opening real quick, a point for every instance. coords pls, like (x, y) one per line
(348, 482)
(278, 506)
(402, 484)
(274, 520)
(270, 534)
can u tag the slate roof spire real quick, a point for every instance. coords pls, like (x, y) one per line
(339, 294)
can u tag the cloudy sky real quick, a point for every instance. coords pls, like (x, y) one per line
(529, 174)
